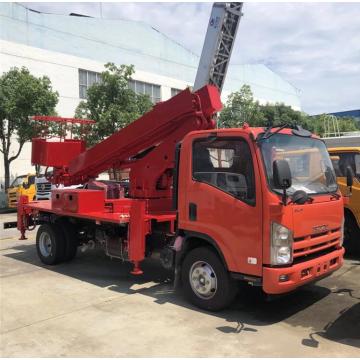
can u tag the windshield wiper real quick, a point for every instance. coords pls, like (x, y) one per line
(335, 195)
(268, 132)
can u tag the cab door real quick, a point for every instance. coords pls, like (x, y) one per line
(221, 197)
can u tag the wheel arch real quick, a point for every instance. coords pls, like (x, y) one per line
(194, 239)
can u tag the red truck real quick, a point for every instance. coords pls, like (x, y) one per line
(216, 206)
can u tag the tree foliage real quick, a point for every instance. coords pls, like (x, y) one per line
(111, 103)
(21, 95)
(241, 107)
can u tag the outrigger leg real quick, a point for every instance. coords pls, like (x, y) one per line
(136, 269)
(21, 216)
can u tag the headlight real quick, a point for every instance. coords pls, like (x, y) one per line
(342, 232)
(281, 244)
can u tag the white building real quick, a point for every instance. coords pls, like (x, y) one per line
(72, 50)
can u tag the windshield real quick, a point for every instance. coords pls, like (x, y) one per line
(309, 161)
(18, 181)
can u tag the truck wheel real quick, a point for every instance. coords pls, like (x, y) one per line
(206, 282)
(50, 244)
(70, 239)
(351, 235)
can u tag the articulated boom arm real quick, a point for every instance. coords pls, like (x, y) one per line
(147, 146)
(218, 45)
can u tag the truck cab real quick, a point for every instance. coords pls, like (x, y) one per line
(228, 197)
(23, 185)
(43, 188)
(342, 158)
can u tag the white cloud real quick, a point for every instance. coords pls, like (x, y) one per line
(315, 46)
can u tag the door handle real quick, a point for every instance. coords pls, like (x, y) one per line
(192, 211)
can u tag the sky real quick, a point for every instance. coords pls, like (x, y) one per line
(314, 46)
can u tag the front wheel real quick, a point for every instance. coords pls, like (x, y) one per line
(206, 282)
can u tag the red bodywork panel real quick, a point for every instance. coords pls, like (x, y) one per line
(236, 226)
(77, 200)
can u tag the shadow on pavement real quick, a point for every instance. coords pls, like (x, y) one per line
(345, 329)
(249, 312)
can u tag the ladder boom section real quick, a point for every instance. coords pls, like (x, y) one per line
(218, 45)
(156, 132)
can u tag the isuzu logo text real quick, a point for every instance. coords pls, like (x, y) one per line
(320, 228)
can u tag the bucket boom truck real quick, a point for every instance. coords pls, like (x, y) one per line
(216, 206)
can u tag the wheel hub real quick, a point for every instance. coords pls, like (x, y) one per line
(203, 280)
(45, 244)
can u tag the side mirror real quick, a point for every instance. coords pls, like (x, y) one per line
(281, 174)
(349, 177)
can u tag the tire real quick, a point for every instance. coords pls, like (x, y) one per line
(50, 244)
(206, 282)
(70, 239)
(351, 236)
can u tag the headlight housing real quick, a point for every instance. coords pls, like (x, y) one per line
(281, 245)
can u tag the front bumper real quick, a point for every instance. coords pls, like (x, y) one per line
(302, 273)
(43, 197)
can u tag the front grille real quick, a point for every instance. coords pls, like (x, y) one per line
(315, 243)
(314, 255)
(43, 189)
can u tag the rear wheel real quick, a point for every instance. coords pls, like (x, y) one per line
(206, 282)
(70, 238)
(50, 244)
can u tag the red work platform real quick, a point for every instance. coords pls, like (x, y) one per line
(54, 153)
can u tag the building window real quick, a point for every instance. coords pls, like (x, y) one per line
(175, 91)
(141, 87)
(86, 79)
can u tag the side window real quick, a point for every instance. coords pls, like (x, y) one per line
(335, 161)
(31, 180)
(225, 163)
(342, 160)
(357, 165)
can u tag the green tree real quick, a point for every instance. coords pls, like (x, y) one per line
(316, 124)
(240, 107)
(348, 124)
(111, 103)
(21, 95)
(280, 114)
